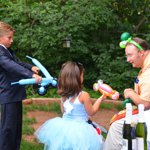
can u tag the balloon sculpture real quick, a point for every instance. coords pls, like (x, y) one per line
(106, 90)
(44, 84)
(127, 38)
(128, 100)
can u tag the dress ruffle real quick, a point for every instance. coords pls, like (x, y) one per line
(68, 134)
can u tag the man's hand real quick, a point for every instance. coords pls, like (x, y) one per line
(128, 92)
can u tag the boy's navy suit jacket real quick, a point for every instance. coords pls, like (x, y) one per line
(12, 70)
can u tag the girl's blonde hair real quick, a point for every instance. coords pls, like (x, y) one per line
(5, 28)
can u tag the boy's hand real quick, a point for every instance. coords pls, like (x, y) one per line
(35, 69)
(37, 78)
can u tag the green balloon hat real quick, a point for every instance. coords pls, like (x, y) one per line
(127, 38)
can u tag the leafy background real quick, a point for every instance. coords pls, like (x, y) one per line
(93, 26)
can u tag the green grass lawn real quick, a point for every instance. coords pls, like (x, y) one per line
(31, 146)
(28, 130)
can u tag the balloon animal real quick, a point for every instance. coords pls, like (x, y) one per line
(106, 90)
(44, 84)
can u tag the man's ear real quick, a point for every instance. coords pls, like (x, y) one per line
(142, 52)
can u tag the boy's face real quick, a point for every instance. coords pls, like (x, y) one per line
(7, 39)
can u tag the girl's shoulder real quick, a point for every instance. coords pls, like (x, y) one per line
(84, 93)
(83, 96)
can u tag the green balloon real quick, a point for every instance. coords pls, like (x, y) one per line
(122, 44)
(125, 36)
(128, 100)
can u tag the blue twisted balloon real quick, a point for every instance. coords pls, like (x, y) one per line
(45, 81)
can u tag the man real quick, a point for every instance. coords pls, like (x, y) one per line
(138, 54)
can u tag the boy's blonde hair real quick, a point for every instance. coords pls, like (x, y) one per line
(5, 28)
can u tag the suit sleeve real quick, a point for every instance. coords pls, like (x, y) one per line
(15, 68)
(26, 65)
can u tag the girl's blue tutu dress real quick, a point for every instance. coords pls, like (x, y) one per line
(71, 132)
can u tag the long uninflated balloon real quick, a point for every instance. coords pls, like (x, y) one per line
(40, 66)
(45, 81)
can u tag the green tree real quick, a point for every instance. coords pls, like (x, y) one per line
(93, 26)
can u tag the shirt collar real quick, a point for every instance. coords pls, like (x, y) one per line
(3, 46)
(146, 63)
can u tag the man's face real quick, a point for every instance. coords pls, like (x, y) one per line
(7, 39)
(134, 56)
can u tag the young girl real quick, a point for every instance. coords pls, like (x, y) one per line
(72, 131)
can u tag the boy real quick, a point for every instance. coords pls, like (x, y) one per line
(11, 70)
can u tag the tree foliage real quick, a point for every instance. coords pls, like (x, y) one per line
(93, 26)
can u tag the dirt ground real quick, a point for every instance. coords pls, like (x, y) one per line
(102, 117)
